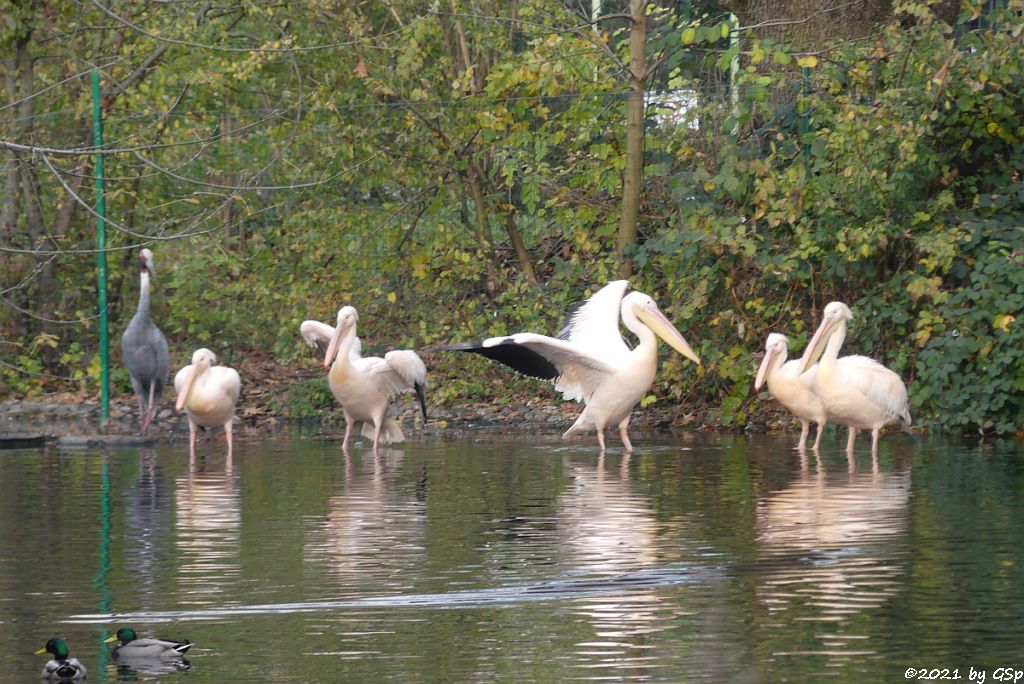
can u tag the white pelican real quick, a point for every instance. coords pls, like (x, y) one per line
(208, 393)
(856, 391)
(365, 388)
(792, 389)
(589, 361)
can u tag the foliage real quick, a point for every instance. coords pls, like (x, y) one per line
(416, 147)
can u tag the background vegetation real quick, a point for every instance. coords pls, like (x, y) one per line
(455, 170)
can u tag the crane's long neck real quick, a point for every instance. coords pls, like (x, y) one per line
(827, 364)
(144, 287)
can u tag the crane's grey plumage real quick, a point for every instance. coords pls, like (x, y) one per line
(144, 348)
(366, 388)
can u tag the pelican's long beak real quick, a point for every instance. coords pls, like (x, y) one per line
(762, 372)
(332, 348)
(111, 639)
(183, 395)
(816, 347)
(652, 317)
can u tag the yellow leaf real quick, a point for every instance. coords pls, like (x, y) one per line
(392, 298)
(689, 35)
(1003, 322)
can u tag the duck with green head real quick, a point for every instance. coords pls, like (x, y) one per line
(132, 646)
(62, 667)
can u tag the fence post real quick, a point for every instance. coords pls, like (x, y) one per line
(101, 248)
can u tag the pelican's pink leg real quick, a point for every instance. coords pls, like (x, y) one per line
(227, 433)
(600, 438)
(625, 439)
(348, 432)
(874, 440)
(817, 439)
(805, 429)
(850, 440)
(192, 430)
(376, 436)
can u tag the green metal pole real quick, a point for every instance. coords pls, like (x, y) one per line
(101, 246)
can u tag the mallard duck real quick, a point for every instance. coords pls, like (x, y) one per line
(62, 667)
(132, 646)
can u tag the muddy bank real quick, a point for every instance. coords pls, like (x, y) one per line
(67, 417)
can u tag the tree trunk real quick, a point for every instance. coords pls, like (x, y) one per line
(633, 174)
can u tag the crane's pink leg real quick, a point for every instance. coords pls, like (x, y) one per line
(851, 439)
(142, 415)
(805, 429)
(152, 408)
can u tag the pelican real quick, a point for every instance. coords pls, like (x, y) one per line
(208, 393)
(857, 391)
(144, 348)
(792, 389)
(589, 361)
(365, 388)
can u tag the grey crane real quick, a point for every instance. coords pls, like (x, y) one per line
(144, 348)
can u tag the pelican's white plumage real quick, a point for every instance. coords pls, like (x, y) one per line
(857, 391)
(208, 393)
(589, 361)
(366, 388)
(791, 388)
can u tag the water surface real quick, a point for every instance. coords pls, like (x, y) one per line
(697, 558)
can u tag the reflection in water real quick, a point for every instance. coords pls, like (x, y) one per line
(147, 523)
(831, 548)
(208, 532)
(606, 528)
(371, 536)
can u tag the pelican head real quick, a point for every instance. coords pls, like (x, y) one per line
(146, 262)
(347, 318)
(775, 347)
(836, 314)
(647, 312)
(201, 360)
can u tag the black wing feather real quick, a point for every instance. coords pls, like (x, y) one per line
(508, 353)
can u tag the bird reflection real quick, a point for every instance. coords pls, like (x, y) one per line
(208, 530)
(147, 525)
(131, 669)
(606, 529)
(372, 534)
(829, 545)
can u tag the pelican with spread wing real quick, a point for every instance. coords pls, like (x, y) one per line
(366, 388)
(589, 361)
(856, 391)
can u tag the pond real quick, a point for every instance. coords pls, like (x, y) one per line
(499, 557)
